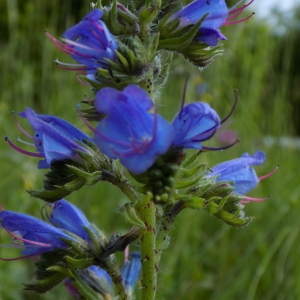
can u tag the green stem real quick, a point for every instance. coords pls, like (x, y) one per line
(146, 209)
(162, 240)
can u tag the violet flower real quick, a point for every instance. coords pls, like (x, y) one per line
(89, 42)
(130, 131)
(240, 172)
(37, 236)
(54, 138)
(195, 123)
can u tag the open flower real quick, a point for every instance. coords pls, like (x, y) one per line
(54, 138)
(195, 123)
(37, 236)
(130, 131)
(240, 172)
(89, 42)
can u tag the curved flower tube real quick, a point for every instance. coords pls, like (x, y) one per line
(130, 131)
(37, 236)
(54, 138)
(195, 123)
(89, 42)
(240, 171)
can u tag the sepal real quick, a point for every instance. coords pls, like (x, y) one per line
(120, 20)
(179, 40)
(129, 212)
(119, 243)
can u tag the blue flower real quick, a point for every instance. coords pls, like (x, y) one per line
(131, 271)
(195, 123)
(89, 42)
(240, 172)
(68, 217)
(54, 138)
(37, 236)
(130, 131)
(209, 32)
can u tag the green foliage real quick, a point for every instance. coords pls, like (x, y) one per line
(206, 258)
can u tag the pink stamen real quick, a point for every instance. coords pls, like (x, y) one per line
(247, 199)
(20, 127)
(268, 175)
(238, 21)
(23, 151)
(240, 8)
(27, 241)
(233, 108)
(101, 135)
(1, 207)
(234, 13)
(17, 258)
(126, 254)
(81, 81)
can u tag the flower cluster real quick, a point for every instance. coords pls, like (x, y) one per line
(124, 71)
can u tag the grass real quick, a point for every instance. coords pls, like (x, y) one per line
(207, 259)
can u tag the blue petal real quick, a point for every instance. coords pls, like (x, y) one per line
(240, 171)
(195, 123)
(130, 132)
(35, 230)
(131, 271)
(192, 13)
(210, 37)
(54, 137)
(67, 216)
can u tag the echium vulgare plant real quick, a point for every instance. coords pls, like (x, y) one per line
(123, 55)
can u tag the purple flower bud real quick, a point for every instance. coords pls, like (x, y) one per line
(195, 123)
(130, 131)
(240, 171)
(131, 271)
(37, 236)
(67, 216)
(54, 138)
(89, 42)
(209, 32)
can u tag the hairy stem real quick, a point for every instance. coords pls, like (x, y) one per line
(146, 209)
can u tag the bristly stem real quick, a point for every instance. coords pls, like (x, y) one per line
(146, 209)
(162, 240)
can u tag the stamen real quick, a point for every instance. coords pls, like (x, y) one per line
(67, 64)
(20, 127)
(126, 254)
(233, 108)
(238, 21)
(26, 241)
(17, 258)
(23, 151)
(99, 134)
(183, 95)
(26, 143)
(81, 81)
(232, 10)
(268, 175)
(222, 148)
(250, 199)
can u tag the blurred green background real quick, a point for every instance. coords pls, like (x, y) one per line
(207, 259)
